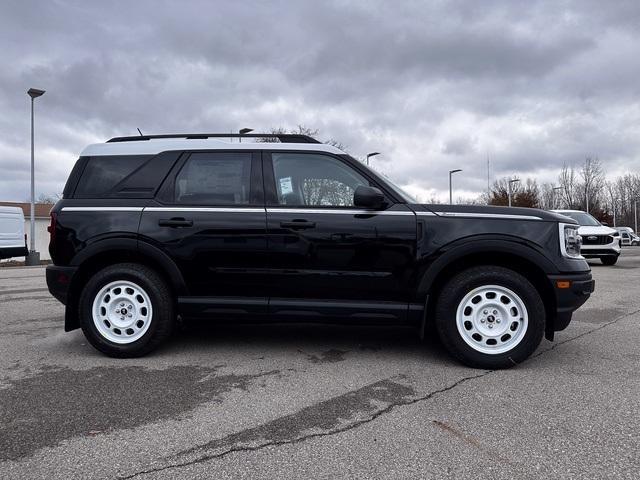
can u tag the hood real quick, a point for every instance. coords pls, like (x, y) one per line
(489, 210)
(599, 230)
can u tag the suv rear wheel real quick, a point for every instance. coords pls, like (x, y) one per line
(490, 317)
(126, 310)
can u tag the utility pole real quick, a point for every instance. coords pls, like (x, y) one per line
(635, 214)
(451, 172)
(510, 189)
(586, 192)
(33, 258)
(488, 182)
(372, 154)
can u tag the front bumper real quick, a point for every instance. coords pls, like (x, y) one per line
(59, 281)
(596, 251)
(569, 297)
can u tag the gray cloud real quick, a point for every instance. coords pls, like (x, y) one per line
(433, 86)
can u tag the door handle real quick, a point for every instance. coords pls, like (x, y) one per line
(175, 222)
(298, 224)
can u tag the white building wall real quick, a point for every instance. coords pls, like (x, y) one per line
(42, 236)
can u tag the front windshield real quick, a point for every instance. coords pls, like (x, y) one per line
(583, 219)
(396, 189)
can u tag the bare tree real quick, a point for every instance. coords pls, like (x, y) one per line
(301, 130)
(568, 181)
(592, 183)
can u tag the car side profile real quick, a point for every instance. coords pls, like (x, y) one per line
(598, 241)
(155, 227)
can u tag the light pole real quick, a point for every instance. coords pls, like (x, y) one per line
(451, 172)
(553, 196)
(33, 258)
(635, 214)
(244, 131)
(510, 189)
(373, 154)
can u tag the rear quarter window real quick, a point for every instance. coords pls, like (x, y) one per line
(101, 174)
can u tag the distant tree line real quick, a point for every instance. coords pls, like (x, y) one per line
(584, 188)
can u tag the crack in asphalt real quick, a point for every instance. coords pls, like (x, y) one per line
(356, 424)
(342, 429)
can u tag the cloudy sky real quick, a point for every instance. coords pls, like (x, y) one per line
(432, 85)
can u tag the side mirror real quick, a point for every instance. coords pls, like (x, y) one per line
(604, 224)
(368, 197)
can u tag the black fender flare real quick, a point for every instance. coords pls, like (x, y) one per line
(474, 245)
(155, 254)
(101, 247)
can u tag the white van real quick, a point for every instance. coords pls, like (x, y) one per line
(13, 242)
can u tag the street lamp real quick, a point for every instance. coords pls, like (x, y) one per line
(510, 189)
(635, 214)
(33, 258)
(451, 172)
(244, 131)
(373, 154)
(613, 204)
(553, 195)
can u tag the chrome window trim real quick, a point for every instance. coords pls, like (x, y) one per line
(480, 215)
(205, 209)
(102, 209)
(338, 211)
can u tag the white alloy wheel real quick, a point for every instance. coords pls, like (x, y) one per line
(122, 312)
(492, 319)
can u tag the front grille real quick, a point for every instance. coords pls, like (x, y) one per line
(596, 239)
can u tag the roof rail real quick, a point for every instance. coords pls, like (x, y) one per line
(282, 137)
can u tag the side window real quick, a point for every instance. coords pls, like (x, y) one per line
(625, 235)
(214, 179)
(102, 173)
(310, 179)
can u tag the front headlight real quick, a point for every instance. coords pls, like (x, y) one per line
(570, 241)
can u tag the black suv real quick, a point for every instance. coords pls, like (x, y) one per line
(286, 228)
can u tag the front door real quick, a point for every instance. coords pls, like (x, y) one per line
(325, 254)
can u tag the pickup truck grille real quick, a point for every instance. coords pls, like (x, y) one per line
(596, 239)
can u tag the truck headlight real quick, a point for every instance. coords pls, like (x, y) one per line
(570, 241)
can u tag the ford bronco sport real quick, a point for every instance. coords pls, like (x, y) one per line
(155, 227)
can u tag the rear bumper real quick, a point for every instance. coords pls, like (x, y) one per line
(568, 300)
(59, 281)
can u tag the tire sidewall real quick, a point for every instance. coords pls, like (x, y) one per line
(147, 280)
(463, 283)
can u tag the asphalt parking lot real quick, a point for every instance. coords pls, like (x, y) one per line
(318, 402)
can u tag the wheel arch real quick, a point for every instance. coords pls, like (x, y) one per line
(109, 252)
(507, 254)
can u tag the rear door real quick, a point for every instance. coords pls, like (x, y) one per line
(209, 217)
(326, 255)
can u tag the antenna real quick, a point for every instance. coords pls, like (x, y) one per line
(140, 132)
(488, 181)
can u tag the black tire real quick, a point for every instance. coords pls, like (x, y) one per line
(453, 293)
(609, 260)
(161, 322)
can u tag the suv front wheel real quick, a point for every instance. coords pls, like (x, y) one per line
(126, 310)
(490, 317)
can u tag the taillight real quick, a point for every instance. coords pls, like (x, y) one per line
(52, 227)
